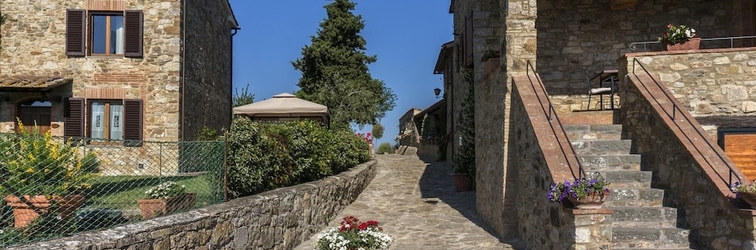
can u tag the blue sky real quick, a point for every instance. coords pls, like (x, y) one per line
(405, 35)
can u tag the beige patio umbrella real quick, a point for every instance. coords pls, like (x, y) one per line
(285, 106)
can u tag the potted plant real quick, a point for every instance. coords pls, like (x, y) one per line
(41, 173)
(585, 193)
(166, 198)
(490, 60)
(353, 234)
(679, 37)
(746, 192)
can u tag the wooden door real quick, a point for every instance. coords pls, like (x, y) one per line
(31, 115)
(741, 148)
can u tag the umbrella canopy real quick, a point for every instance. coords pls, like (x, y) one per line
(282, 105)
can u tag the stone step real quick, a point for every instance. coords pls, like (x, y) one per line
(650, 238)
(594, 132)
(627, 179)
(634, 197)
(592, 163)
(589, 117)
(648, 217)
(602, 147)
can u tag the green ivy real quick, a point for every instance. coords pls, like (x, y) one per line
(464, 161)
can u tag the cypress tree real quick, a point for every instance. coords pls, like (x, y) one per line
(335, 70)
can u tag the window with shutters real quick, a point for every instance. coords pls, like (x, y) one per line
(104, 33)
(104, 120)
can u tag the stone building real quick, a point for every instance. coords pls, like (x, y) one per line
(566, 41)
(132, 70)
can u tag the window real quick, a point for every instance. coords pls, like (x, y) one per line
(106, 120)
(106, 36)
(104, 33)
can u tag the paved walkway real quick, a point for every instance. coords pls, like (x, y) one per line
(419, 208)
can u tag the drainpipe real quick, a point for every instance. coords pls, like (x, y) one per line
(182, 118)
(231, 93)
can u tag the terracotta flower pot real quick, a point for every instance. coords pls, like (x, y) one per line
(749, 198)
(461, 182)
(151, 208)
(692, 44)
(24, 214)
(591, 201)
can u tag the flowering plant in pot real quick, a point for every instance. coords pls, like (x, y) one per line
(746, 192)
(353, 234)
(586, 193)
(678, 35)
(41, 173)
(166, 198)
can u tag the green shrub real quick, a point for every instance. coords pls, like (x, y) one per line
(385, 148)
(267, 156)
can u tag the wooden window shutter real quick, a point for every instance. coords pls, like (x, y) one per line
(133, 33)
(76, 30)
(73, 112)
(132, 123)
(469, 40)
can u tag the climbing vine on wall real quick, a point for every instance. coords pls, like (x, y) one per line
(464, 161)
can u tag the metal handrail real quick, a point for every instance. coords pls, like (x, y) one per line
(551, 116)
(673, 116)
(633, 46)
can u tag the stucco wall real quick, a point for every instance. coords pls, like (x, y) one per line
(207, 89)
(278, 219)
(34, 44)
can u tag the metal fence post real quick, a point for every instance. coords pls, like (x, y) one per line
(225, 168)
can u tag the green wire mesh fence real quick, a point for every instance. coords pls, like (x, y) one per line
(53, 187)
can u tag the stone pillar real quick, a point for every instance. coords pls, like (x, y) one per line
(593, 229)
(518, 45)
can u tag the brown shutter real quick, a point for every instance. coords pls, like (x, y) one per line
(73, 112)
(469, 40)
(132, 46)
(76, 32)
(132, 123)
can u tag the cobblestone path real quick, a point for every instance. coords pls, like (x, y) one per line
(419, 208)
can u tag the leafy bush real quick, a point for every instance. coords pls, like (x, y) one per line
(267, 156)
(385, 148)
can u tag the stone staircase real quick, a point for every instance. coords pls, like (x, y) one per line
(640, 219)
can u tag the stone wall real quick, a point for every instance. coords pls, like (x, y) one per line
(278, 219)
(716, 86)
(688, 172)
(206, 94)
(579, 36)
(34, 44)
(537, 164)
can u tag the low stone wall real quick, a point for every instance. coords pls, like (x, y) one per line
(277, 219)
(716, 86)
(530, 172)
(688, 172)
